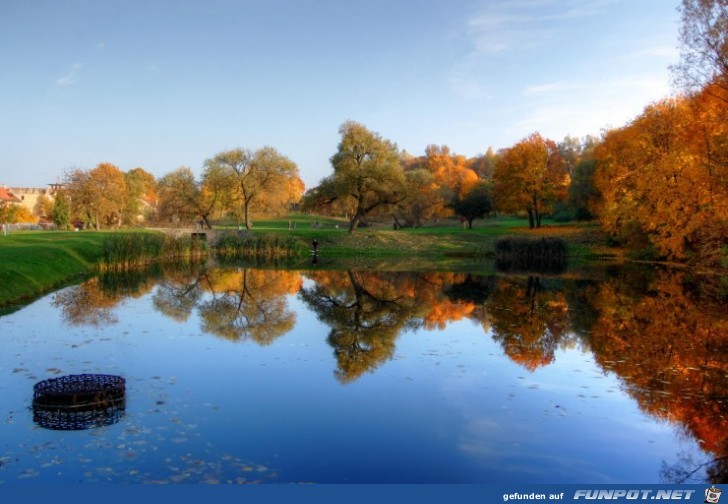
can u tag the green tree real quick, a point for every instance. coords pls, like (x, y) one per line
(583, 194)
(61, 210)
(474, 204)
(366, 170)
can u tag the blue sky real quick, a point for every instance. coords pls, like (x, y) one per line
(162, 84)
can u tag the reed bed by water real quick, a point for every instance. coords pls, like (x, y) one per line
(523, 253)
(124, 251)
(257, 247)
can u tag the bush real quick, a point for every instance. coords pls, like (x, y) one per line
(123, 251)
(531, 254)
(246, 245)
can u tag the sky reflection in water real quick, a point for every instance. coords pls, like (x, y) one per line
(247, 375)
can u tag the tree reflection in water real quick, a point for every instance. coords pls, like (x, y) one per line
(662, 333)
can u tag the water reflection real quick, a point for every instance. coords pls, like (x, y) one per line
(663, 333)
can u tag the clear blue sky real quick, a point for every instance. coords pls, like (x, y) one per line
(163, 84)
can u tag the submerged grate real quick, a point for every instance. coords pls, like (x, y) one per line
(75, 402)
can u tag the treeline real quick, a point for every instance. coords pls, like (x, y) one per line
(234, 184)
(372, 179)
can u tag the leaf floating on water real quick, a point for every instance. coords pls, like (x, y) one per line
(28, 473)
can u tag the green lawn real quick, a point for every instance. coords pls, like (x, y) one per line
(34, 262)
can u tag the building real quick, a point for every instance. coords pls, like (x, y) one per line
(29, 197)
(6, 196)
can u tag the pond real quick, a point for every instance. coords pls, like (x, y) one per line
(243, 375)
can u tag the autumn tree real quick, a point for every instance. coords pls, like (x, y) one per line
(44, 207)
(14, 213)
(367, 171)
(216, 192)
(661, 177)
(179, 194)
(262, 179)
(141, 186)
(98, 195)
(530, 176)
(420, 190)
(453, 175)
(484, 166)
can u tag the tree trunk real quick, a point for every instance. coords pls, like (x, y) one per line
(246, 214)
(355, 221)
(530, 218)
(470, 223)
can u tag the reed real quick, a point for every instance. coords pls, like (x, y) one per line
(530, 254)
(126, 251)
(257, 247)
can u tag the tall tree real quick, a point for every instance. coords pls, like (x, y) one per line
(420, 191)
(99, 195)
(179, 195)
(453, 175)
(216, 193)
(61, 210)
(141, 190)
(366, 170)
(530, 176)
(704, 45)
(261, 178)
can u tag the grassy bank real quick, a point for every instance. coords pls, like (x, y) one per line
(32, 263)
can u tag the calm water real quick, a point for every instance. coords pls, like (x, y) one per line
(245, 375)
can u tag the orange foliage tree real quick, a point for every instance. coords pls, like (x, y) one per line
(663, 176)
(530, 176)
(453, 175)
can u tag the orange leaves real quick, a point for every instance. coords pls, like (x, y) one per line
(452, 172)
(662, 175)
(530, 176)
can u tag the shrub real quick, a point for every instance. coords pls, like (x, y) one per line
(531, 254)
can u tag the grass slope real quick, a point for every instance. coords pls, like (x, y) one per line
(32, 263)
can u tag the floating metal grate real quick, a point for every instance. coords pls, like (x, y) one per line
(75, 402)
